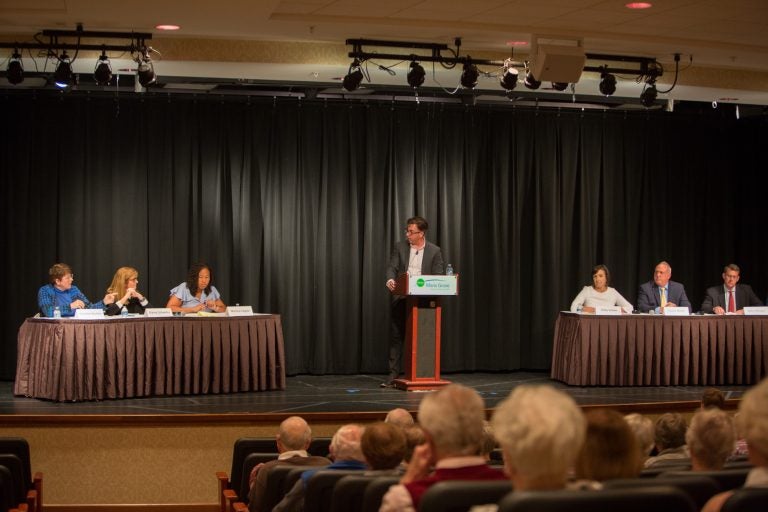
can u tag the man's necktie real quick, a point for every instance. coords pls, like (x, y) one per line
(731, 302)
(663, 297)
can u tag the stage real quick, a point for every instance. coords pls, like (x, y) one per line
(355, 397)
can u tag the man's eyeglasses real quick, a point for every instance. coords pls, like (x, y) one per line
(409, 232)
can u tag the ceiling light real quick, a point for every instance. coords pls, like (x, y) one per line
(607, 83)
(559, 86)
(354, 76)
(146, 70)
(15, 70)
(63, 74)
(638, 5)
(469, 75)
(103, 71)
(508, 79)
(530, 82)
(416, 75)
(648, 96)
(167, 26)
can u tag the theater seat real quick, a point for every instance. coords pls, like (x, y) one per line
(242, 447)
(376, 491)
(747, 500)
(700, 488)
(319, 490)
(648, 499)
(18, 446)
(727, 478)
(280, 480)
(349, 491)
(251, 461)
(459, 496)
(20, 493)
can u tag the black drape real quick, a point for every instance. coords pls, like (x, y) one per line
(296, 205)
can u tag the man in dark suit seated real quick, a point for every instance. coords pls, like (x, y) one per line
(730, 297)
(660, 293)
(292, 439)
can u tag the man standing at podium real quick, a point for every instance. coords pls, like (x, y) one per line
(417, 257)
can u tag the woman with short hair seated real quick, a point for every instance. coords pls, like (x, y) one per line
(599, 294)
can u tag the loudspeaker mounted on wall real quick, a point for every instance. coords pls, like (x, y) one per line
(558, 63)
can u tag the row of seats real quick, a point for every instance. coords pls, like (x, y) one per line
(19, 490)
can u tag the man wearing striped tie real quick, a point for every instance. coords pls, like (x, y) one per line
(661, 292)
(730, 297)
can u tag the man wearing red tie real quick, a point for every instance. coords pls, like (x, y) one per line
(730, 298)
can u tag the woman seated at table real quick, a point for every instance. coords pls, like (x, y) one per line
(197, 293)
(599, 294)
(124, 284)
(61, 293)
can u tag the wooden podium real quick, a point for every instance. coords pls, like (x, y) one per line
(421, 354)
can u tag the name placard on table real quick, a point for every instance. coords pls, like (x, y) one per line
(89, 314)
(608, 310)
(676, 311)
(239, 311)
(158, 312)
(756, 310)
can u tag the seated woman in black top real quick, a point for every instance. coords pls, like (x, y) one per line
(123, 288)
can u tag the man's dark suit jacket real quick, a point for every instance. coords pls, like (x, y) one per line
(648, 296)
(715, 296)
(431, 262)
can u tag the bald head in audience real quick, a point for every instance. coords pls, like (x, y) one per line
(540, 431)
(710, 439)
(399, 417)
(294, 434)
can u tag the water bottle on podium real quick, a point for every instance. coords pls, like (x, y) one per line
(56, 312)
(449, 270)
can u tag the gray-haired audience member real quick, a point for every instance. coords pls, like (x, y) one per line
(752, 423)
(489, 441)
(292, 440)
(642, 427)
(346, 453)
(399, 417)
(669, 436)
(710, 439)
(452, 419)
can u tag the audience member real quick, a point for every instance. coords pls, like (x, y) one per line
(752, 423)
(292, 439)
(599, 294)
(610, 449)
(62, 294)
(642, 427)
(383, 446)
(399, 417)
(712, 397)
(729, 297)
(126, 294)
(452, 419)
(488, 443)
(669, 437)
(660, 292)
(710, 439)
(414, 436)
(346, 453)
(197, 293)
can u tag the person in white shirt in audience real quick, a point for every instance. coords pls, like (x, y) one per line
(752, 422)
(599, 294)
(669, 436)
(710, 439)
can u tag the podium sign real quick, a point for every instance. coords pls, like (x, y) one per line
(421, 354)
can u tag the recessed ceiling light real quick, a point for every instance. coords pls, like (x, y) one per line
(167, 27)
(517, 43)
(639, 5)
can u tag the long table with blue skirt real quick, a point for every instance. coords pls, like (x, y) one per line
(655, 350)
(119, 357)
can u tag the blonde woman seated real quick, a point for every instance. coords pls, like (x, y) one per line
(126, 296)
(599, 294)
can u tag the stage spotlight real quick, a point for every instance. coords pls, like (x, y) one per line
(469, 75)
(416, 75)
(15, 71)
(508, 79)
(63, 74)
(559, 86)
(103, 71)
(146, 70)
(607, 83)
(530, 82)
(354, 77)
(648, 96)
